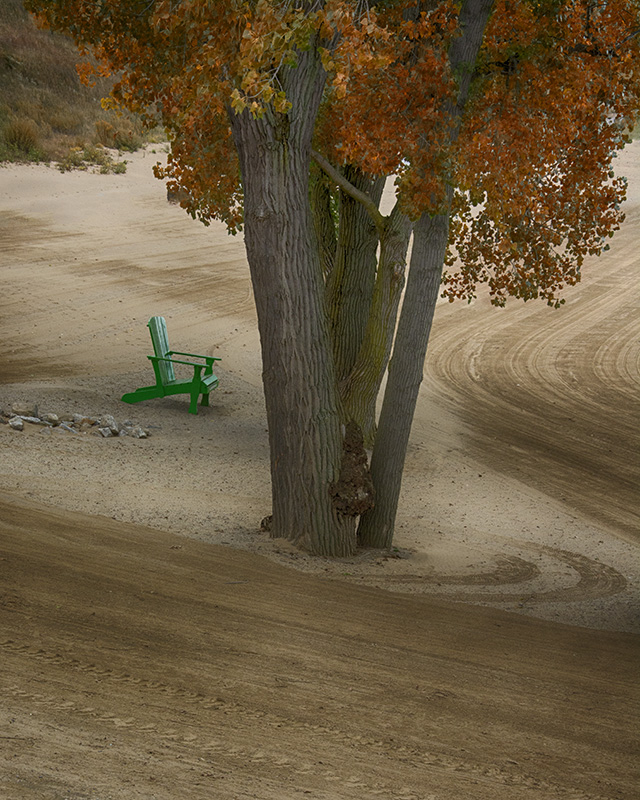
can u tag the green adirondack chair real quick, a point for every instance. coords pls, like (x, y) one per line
(166, 381)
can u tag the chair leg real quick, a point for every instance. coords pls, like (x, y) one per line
(193, 405)
(205, 399)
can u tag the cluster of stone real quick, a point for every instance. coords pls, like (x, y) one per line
(105, 425)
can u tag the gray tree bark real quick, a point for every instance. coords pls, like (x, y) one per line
(431, 234)
(305, 432)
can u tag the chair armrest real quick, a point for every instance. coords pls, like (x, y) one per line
(194, 355)
(177, 361)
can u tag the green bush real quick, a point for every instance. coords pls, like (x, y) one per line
(66, 121)
(123, 134)
(20, 141)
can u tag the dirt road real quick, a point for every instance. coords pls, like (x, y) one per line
(155, 645)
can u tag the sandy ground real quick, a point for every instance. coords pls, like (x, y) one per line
(155, 644)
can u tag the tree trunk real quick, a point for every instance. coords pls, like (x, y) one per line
(350, 285)
(324, 222)
(305, 432)
(363, 292)
(360, 391)
(430, 241)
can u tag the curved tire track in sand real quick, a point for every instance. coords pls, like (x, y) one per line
(594, 580)
(552, 396)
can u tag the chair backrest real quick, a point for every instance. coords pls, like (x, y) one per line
(160, 339)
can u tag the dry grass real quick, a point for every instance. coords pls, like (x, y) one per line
(45, 111)
(21, 135)
(94, 158)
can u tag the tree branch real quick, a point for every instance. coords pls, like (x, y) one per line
(347, 187)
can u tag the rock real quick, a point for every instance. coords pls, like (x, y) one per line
(58, 430)
(107, 421)
(33, 420)
(25, 409)
(82, 419)
(104, 426)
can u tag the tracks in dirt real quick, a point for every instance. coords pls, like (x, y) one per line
(209, 672)
(211, 741)
(552, 395)
(131, 669)
(513, 578)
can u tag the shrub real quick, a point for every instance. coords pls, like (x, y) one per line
(73, 160)
(117, 168)
(127, 139)
(105, 133)
(83, 158)
(21, 135)
(123, 136)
